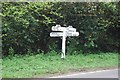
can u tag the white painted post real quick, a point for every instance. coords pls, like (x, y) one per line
(63, 44)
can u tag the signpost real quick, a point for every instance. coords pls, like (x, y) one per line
(60, 34)
(63, 32)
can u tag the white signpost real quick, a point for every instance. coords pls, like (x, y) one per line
(65, 31)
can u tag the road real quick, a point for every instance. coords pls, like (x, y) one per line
(95, 74)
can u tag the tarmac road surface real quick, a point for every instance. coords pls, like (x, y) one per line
(95, 74)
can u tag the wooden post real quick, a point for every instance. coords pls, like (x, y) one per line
(63, 44)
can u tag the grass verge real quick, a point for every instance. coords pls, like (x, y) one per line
(40, 65)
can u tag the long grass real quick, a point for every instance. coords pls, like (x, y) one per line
(39, 65)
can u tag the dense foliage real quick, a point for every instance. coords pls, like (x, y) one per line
(26, 26)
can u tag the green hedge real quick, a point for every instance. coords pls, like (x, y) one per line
(26, 26)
